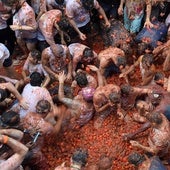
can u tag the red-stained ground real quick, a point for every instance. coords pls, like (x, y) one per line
(105, 141)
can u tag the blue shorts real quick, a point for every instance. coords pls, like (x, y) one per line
(132, 25)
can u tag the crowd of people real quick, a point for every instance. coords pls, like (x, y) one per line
(56, 39)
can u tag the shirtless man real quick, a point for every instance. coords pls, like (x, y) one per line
(144, 163)
(35, 123)
(56, 59)
(161, 80)
(129, 95)
(163, 51)
(80, 108)
(147, 68)
(106, 99)
(81, 54)
(112, 55)
(48, 27)
(159, 136)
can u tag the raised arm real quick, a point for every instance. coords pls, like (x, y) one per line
(14, 91)
(148, 23)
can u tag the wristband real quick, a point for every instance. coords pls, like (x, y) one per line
(5, 139)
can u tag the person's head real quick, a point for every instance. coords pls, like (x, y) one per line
(81, 79)
(136, 158)
(57, 50)
(147, 60)
(79, 157)
(105, 163)
(121, 62)
(159, 78)
(10, 3)
(155, 97)
(88, 55)
(3, 94)
(35, 79)
(114, 97)
(143, 48)
(43, 107)
(34, 56)
(88, 4)
(87, 93)
(10, 119)
(154, 118)
(126, 89)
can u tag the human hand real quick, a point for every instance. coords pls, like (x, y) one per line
(61, 77)
(134, 143)
(148, 24)
(107, 24)
(127, 136)
(93, 68)
(122, 75)
(82, 36)
(69, 77)
(24, 104)
(120, 10)
(15, 27)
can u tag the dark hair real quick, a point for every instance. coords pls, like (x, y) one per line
(125, 89)
(2, 80)
(80, 156)
(142, 47)
(35, 79)
(43, 106)
(159, 76)
(81, 79)
(88, 4)
(36, 54)
(147, 58)
(136, 158)
(10, 119)
(121, 61)
(87, 52)
(3, 94)
(155, 117)
(9, 2)
(114, 97)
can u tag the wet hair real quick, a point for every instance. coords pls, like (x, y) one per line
(80, 157)
(136, 158)
(155, 117)
(87, 52)
(114, 97)
(2, 80)
(81, 79)
(105, 163)
(125, 89)
(88, 4)
(36, 54)
(142, 47)
(43, 106)
(3, 94)
(9, 2)
(35, 79)
(159, 76)
(121, 61)
(60, 2)
(57, 50)
(147, 58)
(10, 119)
